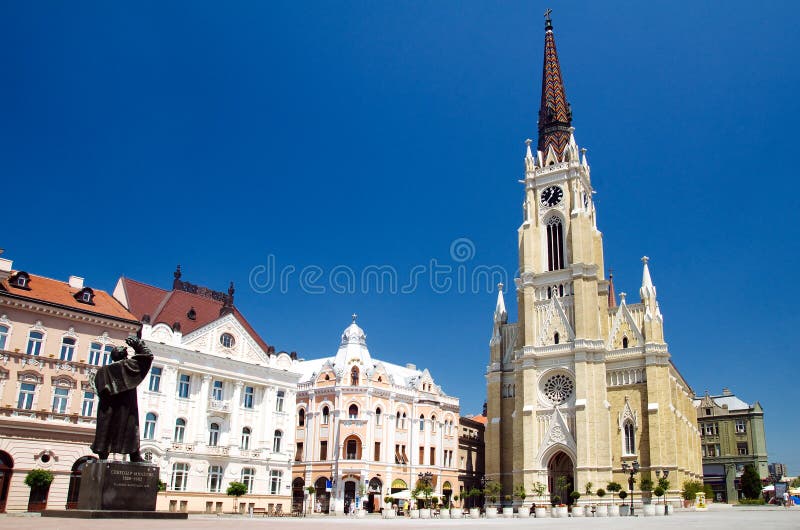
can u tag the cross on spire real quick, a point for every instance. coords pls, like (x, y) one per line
(355, 316)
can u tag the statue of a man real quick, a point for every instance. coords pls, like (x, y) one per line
(118, 410)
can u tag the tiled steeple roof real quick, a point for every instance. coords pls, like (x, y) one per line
(555, 115)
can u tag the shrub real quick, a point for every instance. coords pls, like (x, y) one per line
(519, 491)
(622, 494)
(709, 491)
(601, 493)
(493, 489)
(588, 488)
(162, 486)
(556, 500)
(751, 482)
(751, 501)
(38, 478)
(690, 489)
(659, 491)
(236, 489)
(575, 495)
(613, 486)
(646, 485)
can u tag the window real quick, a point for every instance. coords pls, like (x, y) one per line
(323, 450)
(35, 339)
(60, 396)
(741, 427)
(26, 393)
(183, 386)
(276, 441)
(325, 416)
(432, 456)
(711, 429)
(248, 473)
(351, 450)
(433, 424)
(216, 391)
(708, 412)
(249, 397)
(180, 430)
(227, 340)
(150, 426)
(741, 448)
(3, 337)
(214, 478)
(421, 423)
(301, 417)
(279, 401)
(95, 351)
(155, 379)
(275, 482)
(378, 416)
(377, 454)
(630, 439)
(624, 342)
(298, 453)
(555, 244)
(67, 348)
(556, 338)
(87, 408)
(352, 412)
(180, 476)
(421, 456)
(107, 353)
(213, 434)
(354, 376)
(246, 438)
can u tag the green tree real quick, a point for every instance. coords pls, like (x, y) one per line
(690, 489)
(492, 490)
(613, 487)
(751, 482)
(519, 492)
(658, 491)
(795, 483)
(588, 488)
(236, 489)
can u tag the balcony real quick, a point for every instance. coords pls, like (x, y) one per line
(217, 450)
(219, 406)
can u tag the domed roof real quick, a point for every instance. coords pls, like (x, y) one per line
(353, 347)
(354, 335)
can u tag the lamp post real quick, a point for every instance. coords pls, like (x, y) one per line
(632, 469)
(665, 472)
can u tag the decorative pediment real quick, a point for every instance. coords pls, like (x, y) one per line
(63, 381)
(627, 414)
(624, 326)
(558, 433)
(555, 321)
(241, 345)
(30, 377)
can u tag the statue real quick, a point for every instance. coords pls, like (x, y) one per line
(118, 410)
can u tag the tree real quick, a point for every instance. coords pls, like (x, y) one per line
(622, 494)
(751, 482)
(475, 493)
(690, 489)
(664, 483)
(658, 492)
(601, 493)
(236, 489)
(492, 490)
(162, 486)
(646, 484)
(613, 487)
(575, 495)
(539, 488)
(588, 488)
(519, 492)
(795, 482)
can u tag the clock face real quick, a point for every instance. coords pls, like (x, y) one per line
(552, 196)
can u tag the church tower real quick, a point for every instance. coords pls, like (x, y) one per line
(553, 410)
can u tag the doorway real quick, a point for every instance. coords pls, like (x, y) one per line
(560, 477)
(298, 494)
(349, 495)
(6, 470)
(323, 504)
(374, 501)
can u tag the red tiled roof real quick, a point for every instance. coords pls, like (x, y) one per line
(169, 307)
(479, 419)
(49, 291)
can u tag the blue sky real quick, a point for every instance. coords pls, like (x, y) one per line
(321, 134)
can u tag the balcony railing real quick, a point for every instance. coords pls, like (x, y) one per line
(218, 405)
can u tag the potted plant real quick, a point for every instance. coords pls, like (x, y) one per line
(414, 511)
(492, 490)
(613, 487)
(658, 491)
(388, 510)
(540, 510)
(602, 509)
(577, 511)
(562, 483)
(38, 480)
(664, 483)
(236, 490)
(690, 489)
(555, 502)
(646, 486)
(475, 494)
(624, 509)
(520, 493)
(455, 512)
(508, 508)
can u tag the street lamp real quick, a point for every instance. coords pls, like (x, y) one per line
(658, 475)
(632, 469)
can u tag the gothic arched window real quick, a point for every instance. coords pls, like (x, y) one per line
(556, 338)
(630, 441)
(624, 342)
(301, 417)
(555, 244)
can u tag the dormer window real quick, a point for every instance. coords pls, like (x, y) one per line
(20, 280)
(85, 296)
(192, 314)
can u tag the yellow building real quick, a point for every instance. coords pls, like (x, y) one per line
(580, 386)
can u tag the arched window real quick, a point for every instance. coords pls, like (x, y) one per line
(378, 416)
(180, 475)
(421, 422)
(67, 348)
(213, 434)
(630, 440)
(433, 423)
(180, 430)
(354, 376)
(556, 338)
(35, 340)
(624, 342)
(3, 337)
(555, 244)
(325, 415)
(246, 438)
(150, 426)
(276, 441)
(352, 412)
(301, 417)
(351, 449)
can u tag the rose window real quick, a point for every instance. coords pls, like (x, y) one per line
(559, 388)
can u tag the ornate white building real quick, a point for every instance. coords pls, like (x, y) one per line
(370, 428)
(219, 403)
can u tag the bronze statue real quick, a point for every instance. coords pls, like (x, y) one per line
(118, 409)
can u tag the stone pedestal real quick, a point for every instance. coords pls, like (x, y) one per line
(118, 486)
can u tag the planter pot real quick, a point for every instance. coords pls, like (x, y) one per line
(540, 512)
(587, 511)
(456, 513)
(659, 509)
(563, 511)
(389, 513)
(670, 509)
(425, 513)
(686, 503)
(613, 510)
(625, 510)
(491, 512)
(524, 512)
(360, 514)
(577, 511)
(508, 513)
(475, 513)
(444, 513)
(648, 510)
(602, 511)
(414, 514)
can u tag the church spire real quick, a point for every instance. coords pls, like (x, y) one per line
(612, 298)
(555, 115)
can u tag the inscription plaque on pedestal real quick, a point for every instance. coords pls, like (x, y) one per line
(118, 486)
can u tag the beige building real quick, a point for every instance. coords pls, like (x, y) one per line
(580, 386)
(471, 455)
(53, 334)
(367, 429)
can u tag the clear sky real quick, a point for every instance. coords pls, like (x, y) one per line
(233, 138)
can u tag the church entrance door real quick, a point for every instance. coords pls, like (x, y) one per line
(560, 477)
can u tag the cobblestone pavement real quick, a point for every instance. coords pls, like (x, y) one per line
(741, 517)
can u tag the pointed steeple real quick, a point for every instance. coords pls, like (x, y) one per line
(612, 298)
(653, 320)
(555, 115)
(648, 290)
(500, 313)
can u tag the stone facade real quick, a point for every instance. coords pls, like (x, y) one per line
(580, 385)
(471, 455)
(370, 428)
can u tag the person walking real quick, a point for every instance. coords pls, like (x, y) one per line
(786, 499)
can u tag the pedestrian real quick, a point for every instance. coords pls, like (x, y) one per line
(786, 499)
(319, 506)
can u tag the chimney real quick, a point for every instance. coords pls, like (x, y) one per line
(76, 282)
(5, 268)
(727, 392)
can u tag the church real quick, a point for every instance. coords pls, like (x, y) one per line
(582, 389)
